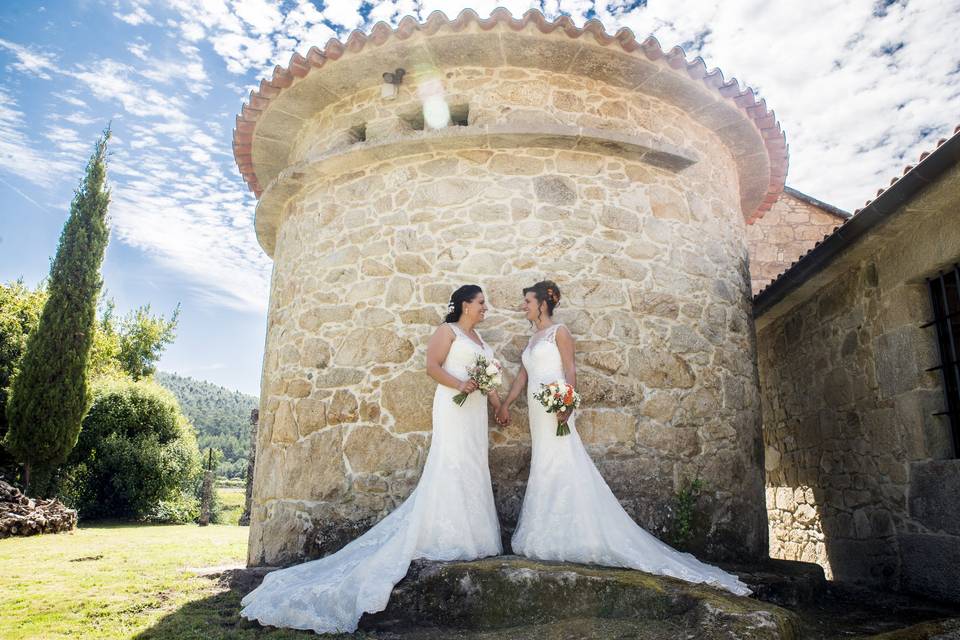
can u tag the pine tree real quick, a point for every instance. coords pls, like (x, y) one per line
(49, 394)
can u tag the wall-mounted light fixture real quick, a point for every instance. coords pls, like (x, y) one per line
(391, 84)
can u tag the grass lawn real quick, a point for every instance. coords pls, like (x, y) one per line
(232, 499)
(118, 580)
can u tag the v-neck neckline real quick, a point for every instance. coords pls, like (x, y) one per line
(467, 336)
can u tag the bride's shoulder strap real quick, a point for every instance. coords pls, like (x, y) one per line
(551, 334)
(480, 336)
(457, 332)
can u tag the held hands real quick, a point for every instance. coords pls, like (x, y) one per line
(503, 414)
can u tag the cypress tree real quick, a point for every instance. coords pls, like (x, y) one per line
(49, 394)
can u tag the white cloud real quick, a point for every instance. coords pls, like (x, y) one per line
(182, 209)
(72, 100)
(140, 48)
(856, 104)
(261, 17)
(29, 60)
(137, 15)
(19, 155)
(110, 80)
(853, 105)
(345, 13)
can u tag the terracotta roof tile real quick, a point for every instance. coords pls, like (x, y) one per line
(299, 66)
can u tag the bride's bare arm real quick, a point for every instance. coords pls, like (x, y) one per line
(503, 412)
(517, 387)
(437, 349)
(567, 349)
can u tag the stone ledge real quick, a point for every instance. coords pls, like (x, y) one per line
(578, 601)
(503, 592)
(641, 147)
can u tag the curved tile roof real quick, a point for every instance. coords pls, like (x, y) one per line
(299, 66)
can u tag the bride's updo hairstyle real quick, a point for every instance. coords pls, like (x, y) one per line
(466, 293)
(545, 291)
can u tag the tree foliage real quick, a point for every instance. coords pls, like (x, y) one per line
(49, 393)
(143, 337)
(20, 309)
(133, 345)
(221, 417)
(136, 454)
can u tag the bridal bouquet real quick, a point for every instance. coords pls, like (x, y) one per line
(556, 397)
(486, 373)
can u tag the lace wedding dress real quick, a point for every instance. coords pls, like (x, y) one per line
(569, 513)
(450, 515)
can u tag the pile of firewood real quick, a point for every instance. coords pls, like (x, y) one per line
(23, 516)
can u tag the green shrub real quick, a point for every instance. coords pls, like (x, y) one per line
(684, 505)
(180, 509)
(136, 457)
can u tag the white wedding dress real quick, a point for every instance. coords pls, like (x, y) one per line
(569, 513)
(450, 515)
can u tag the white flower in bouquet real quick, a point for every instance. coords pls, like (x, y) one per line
(486, 373)
(557, 397)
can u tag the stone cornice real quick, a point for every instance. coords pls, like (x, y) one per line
(637, 148)
(274, 114)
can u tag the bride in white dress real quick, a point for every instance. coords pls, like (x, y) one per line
(569, 513)
(450, 515)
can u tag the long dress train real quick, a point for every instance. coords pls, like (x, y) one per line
(450, 515)
(569, 512)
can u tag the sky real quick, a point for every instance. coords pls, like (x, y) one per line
(860, 87)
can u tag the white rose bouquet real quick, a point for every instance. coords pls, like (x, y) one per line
(488, 374)
(556, 397)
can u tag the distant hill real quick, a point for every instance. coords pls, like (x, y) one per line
(221, 417)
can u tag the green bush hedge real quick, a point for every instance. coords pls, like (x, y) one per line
(136, 456)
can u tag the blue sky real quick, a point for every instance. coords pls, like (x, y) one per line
(860, 87)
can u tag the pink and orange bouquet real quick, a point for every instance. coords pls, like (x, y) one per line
(556, 397)
(488, 374)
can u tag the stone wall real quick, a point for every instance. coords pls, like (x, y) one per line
(790, 229)
(652, 261)
(861, 476)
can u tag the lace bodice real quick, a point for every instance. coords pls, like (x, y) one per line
(463, 352)
(541, 358)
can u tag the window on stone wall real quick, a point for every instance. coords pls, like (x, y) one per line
(945, 302)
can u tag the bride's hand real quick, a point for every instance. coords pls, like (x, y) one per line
(564, 416)
(467, 386)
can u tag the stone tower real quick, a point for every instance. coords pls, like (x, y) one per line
(512, 150)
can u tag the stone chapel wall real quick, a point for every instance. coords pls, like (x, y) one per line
(862, 478)
(652, 262)
(790, 229)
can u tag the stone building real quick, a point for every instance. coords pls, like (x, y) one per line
(786, 232)
(858, 344)
(509, 151)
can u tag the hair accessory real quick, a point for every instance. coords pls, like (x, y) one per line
(450, 306)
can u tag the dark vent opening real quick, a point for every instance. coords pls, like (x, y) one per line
(359, 132)
(460, 114)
